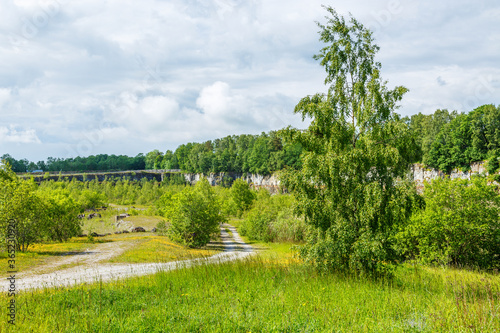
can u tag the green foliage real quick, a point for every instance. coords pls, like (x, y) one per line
(460, 224)
(257, 222)
(61, 216)
(425, 129)
(493, 163)
(102, 162)
(194, 215)
(242, 196)
(175, 179)
(92, 199)
(162, 228)
(6, 172)
(164, 201)
(450, 140)
(13, 164)
(271, 219)
(227, 204)
(19, 202)
(152, 159)
(260, 154)
(39, 215)
(353, 151)
(133, 212)
(92, 194)
(258, 295)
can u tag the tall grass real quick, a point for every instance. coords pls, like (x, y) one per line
(257, 295)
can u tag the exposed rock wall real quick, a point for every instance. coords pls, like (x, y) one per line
(419, 173)
(101, 176)
(422, 174)
(269, 182)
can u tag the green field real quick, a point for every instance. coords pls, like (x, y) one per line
(268, 293)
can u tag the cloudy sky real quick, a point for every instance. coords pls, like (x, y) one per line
(86, 77)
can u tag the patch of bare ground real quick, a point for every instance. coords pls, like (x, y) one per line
(89, 265)
(93, 255)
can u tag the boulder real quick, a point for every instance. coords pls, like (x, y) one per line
(137, 229)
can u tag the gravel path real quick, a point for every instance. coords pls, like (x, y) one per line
(93, 271)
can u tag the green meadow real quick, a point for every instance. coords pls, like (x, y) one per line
(269, 292)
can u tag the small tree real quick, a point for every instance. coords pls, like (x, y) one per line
(61, 216)
(353, 151)
(460, 224)
(242, 196)
(92, 199)
(19, 202)
(194, 215)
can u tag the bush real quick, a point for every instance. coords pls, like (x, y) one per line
(161, 228)
(242, 196)
(194, 215)
(459, 226)
(228, 206)
(133, 212)
(61, 215)
(19, 202)
(39, 215)
(271, 219)
(92, 200)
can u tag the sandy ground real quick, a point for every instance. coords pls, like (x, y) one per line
(90, 269)
(88, 257)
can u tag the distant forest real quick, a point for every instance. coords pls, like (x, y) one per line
(443, 140)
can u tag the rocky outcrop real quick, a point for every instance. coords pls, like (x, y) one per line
(419, 173)
(270, 182)
(136, 175)
(422, 174)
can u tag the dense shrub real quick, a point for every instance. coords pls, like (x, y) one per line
(194, 215)
(242, 196)
(460, 224)
(50, 214)
(61, 216)
(271, 219)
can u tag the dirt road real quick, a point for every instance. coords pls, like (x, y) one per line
(90, 270)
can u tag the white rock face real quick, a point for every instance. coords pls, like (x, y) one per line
(419, 172)
(270, 182)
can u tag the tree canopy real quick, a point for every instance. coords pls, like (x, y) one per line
(353, 151)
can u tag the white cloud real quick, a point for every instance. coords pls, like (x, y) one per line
(4, 96)
(215, 101)
(13, 135)
(155, 74)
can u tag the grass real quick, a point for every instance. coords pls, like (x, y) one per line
(270, 292)
(160, 249)
(256, 295)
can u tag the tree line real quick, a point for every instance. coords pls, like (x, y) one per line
(101, 162)
(447, 140)
(443, 140)
(260, 154)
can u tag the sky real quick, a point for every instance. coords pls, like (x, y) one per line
(86, 77)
